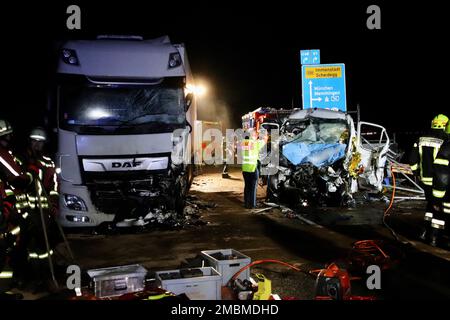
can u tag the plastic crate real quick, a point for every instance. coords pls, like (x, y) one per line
(227, 268)
(206, 287)
(116, 281)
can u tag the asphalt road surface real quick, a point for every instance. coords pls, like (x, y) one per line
(418, 271)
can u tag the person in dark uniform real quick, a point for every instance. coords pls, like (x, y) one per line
(441, 192)
(422, 158)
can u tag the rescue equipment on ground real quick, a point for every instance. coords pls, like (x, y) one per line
(334, 283)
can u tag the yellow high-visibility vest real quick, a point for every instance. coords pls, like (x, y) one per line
(250, 154)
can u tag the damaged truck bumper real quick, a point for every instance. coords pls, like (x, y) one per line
(115, 200)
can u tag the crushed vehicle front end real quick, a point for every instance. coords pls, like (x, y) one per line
(315, 149)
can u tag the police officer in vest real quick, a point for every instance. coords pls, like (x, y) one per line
(422, 157)
(251, 147)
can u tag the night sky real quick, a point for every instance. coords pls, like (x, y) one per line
(249, 53)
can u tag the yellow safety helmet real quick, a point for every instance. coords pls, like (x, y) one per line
(447, 128)
(439, 122)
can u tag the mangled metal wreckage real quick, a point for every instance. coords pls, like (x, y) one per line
(324, 160)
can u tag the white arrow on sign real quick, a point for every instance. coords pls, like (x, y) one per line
(311, 99)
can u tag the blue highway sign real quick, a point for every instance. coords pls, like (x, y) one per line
(309, 56)
(324, 87)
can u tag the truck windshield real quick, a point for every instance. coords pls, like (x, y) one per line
(91, 108)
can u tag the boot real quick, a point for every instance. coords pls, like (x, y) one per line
(434, 239)
(426, 230)
(424, 235)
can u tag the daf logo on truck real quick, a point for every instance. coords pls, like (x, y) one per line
(129, 164)
(126, 164)
(119, 101)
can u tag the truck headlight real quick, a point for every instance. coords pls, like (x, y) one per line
(73, 202)
(174, 60)
(69, 56)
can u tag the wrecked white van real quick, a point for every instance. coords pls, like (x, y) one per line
(324, 159)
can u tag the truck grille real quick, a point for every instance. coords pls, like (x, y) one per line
(115, 191)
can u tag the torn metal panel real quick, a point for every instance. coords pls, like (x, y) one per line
(323, 159)
(373, 155)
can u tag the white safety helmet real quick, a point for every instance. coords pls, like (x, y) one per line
(5, 127)
(38, 134)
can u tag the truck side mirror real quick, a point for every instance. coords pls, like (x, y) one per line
(189, 99)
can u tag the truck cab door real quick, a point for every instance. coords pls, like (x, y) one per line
(373, 145)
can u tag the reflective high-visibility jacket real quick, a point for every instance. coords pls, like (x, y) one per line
(423, 154)
(11, 172)
(13, 182)
(49, 176)
(6, 273)
(44, 192)
(441, 178)
(250, 154)
(47, 184)
(9, 221)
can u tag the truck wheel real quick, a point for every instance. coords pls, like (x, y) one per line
(180, 192)
(180, 203)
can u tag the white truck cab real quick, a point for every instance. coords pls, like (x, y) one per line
(119, 99)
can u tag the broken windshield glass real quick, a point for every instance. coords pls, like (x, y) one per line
(317, 131)
(320, 142)
(117, 106)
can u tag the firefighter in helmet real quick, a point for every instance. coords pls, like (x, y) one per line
(422, 157)
(13, 207)
(441, 192)
(43, 204)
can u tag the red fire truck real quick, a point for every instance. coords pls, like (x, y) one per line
(269, 118)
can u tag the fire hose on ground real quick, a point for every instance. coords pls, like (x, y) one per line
(386, 212)
(44, 229)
